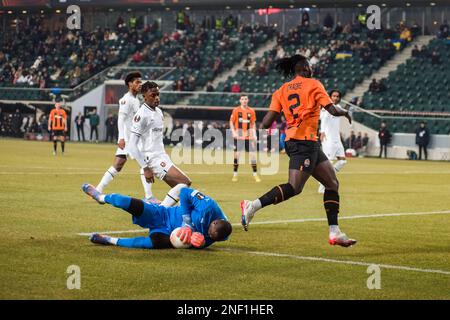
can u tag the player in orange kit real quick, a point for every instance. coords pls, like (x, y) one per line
(57, 125)
(242, 124)
(301, 100)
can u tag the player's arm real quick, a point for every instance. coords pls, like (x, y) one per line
(274, 110)
(233, 129)
(50, 121)
(64, 120)
(187, 228)
(137, 130)
(123, 112)
(337, 111)
(253, 125)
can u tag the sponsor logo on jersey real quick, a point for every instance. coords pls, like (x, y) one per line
(163, 164)
(137, 118)
(122, 101)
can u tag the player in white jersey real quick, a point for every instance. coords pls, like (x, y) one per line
(146, 145)
(330, 136)
(128, 105)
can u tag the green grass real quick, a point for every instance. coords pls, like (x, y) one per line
(42, 209)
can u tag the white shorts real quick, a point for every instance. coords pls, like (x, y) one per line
(333, 149)
(160, 165)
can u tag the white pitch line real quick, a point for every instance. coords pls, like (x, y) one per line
(381, 215)
(218, 173)
(318, 259)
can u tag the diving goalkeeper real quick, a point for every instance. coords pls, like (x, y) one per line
(200, 218)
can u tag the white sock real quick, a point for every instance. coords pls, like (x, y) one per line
(113, 240)
(235, 174)
(173, 196)
(255, 174)
(147, 186)
(334, 229)
(256, 204)
(339, 164)
(107, 178)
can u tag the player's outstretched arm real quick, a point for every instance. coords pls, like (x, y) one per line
(338, 111)
(269, 118)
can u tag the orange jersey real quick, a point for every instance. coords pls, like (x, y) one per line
(301, 100)
(58, 119)
(243, 121)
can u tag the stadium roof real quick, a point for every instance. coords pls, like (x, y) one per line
(222, 4)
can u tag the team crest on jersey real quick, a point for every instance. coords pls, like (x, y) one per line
(163, 164)
(200, 196)
(137, 118)
(122, 102)
(306, 163)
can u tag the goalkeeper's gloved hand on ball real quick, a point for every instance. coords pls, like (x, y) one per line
(185, 234)
(197, 239)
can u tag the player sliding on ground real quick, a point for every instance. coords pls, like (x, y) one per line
(128, 106)
(300, 100)
(200, 218)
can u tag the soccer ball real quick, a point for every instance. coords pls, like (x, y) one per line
(176, 242)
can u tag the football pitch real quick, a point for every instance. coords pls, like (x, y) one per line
(398, 210)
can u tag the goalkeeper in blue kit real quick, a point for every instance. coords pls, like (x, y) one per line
(200, 219)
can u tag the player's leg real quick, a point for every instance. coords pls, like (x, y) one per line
(420, 152)
(277, 194)
(110, 174)
(148, 193)
(156, 240)
(330, 152)
(62, 139)
(177, 180)
(236, 160)
(425, 151)
(326, 174)
(55, 143)
(302, 159)
(253, 161)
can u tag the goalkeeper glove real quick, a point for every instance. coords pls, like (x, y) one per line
(185, 234)
(197, 239)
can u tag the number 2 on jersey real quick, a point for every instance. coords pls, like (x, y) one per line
(292, 107)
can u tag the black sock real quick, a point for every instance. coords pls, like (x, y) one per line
(136, 207)
(331, 204)
(235, 165)
(62, 146)
(54, 145)
(255, 169)
(277, 194)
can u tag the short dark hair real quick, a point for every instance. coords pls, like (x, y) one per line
(223, 229)
(148, 85)
(335, 90)
(131, 76)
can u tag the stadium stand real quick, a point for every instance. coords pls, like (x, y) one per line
(341, 57)
(199, 54)
(411, 91)
(36, 57)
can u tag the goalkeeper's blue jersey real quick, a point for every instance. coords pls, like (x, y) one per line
(196, 210)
